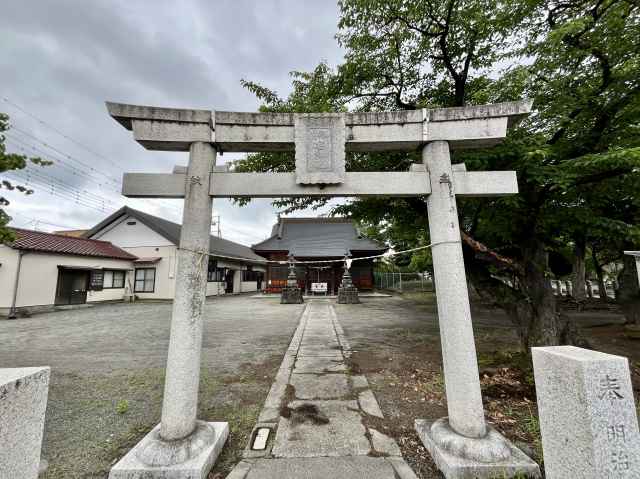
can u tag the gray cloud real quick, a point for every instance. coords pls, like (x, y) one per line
(60, 60)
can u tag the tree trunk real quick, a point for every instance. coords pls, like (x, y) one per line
(541, 319)
(579, 269)
(530, 303)
(602, 290)
(628, 294)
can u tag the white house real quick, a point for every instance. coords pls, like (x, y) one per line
(39, 270)
(129, 254)
(233, 268)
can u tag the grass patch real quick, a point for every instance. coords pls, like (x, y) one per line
(241, 420)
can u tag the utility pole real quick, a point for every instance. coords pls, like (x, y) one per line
(216, 222)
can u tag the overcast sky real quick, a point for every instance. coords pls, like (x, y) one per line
(61, 60)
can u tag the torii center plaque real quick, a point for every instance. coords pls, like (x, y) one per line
(320, 148)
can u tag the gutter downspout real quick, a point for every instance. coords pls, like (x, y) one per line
(13, 311)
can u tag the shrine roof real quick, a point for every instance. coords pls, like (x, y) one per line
(318, 237)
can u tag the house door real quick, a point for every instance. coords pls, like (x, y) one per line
(72, 286)
(228, 280)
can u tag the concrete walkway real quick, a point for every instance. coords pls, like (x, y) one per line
(322, 419)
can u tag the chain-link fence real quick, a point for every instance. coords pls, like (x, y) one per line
(403, 281)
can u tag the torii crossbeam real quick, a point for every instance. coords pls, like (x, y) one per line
(460, 443)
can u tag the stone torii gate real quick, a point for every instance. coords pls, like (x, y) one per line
(460, 444)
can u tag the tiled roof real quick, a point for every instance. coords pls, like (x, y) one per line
(74, 233)
(54, 243)
(317, 237)
(171, 231)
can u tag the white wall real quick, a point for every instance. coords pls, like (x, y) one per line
(8, 265)
(39, 277)
(215, 288)
(165, 269)
(131, 236)
(142, 241)
(249, 286)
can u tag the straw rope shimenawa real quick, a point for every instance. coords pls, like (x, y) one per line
(393, 253)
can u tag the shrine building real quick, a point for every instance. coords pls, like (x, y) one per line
(315, 240)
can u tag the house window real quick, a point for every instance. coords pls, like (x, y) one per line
(113, 279)
(250, 275)
(145, 280)
(213, 272)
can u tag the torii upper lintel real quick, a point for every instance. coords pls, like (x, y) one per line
(171, 129)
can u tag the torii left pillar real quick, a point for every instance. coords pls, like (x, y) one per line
(182, 446)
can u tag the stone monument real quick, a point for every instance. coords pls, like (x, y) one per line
(588, 417)
(291, 293)
(461, 443)
(347, 292)
(23, 402)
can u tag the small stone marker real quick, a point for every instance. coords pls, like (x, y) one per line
(23, 401)
(260, 441)
(587, 414)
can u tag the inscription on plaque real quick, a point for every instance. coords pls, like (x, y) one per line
(320, 153)
(587, 414)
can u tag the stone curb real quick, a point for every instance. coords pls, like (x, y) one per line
(271, 408)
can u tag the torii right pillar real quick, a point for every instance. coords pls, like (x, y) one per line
(462, 445)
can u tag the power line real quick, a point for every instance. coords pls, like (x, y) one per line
(53, 128)
(58, 162)
(48, 125)
(83, 164)
(35, 221)
(63, 185)
(53, 148)
(76, 197)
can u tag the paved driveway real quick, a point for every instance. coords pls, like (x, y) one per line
(238, 329)
(108, 363)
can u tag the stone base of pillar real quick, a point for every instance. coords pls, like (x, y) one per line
(191, 457)
(291, 295)
(348, 295)
(459, 457)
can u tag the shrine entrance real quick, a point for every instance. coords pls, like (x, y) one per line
(461, 443)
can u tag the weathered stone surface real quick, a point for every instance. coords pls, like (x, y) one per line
(180, 403)
(319, 364)
(320, 148)
(384, 444)
(291, 295)
(197, 467)
(362, 467)
(344, 435)
(325, 386)
(458, 467)
(464, 400)
(463, 127)
(588, 417)
(359, 382)
(402, 469)
(311, 351)
(369, 404)
(23, 401)
(348, 295)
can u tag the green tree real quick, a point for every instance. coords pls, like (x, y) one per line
(577, 158)
(8, 162)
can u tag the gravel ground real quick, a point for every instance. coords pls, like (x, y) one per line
(397, 346)
(108, 365)
(107, 377)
